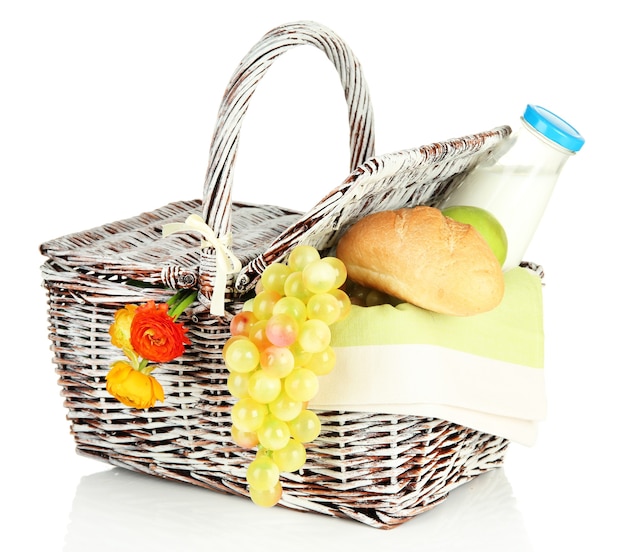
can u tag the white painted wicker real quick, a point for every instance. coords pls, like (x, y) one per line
(379, 469)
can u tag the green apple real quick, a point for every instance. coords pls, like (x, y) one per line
(485, 223)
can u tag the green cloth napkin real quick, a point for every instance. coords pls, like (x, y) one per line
(512, 332)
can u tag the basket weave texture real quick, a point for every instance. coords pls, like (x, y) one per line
(378, 469)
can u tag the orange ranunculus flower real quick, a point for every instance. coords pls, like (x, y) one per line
(132, 387)
(120, 330)
(154, 335)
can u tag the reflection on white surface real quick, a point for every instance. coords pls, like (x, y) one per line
(121, 510)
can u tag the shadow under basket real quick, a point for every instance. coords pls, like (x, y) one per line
(379, 469)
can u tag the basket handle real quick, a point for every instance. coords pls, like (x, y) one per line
(217, 206)
(218, 183)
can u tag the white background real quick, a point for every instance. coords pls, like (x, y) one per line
(107, 110)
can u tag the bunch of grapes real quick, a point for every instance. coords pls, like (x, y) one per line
(279, 346)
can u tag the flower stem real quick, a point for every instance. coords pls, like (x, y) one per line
(180, 301)
(143, 366)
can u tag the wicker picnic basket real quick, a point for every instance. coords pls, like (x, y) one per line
(380, 469)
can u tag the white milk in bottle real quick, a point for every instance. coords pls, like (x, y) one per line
(515, 182)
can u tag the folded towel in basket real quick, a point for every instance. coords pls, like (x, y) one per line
(484, 371)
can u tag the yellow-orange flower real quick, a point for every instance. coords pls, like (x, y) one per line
(120, 330)
(132, 387)
(154, 335)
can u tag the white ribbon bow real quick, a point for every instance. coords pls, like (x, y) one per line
(226, 262)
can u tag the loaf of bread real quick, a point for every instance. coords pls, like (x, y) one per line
(424, 258)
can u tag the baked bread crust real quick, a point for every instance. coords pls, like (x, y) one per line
(420, 256)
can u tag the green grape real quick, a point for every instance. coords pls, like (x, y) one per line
(285, 408)
(274, 276)
(237, 384)
(247, 306)
(344, 302)
(300, 356)
(357, 293)
(267, 498)
(341, 272)
(292, 306)
(301, 256)
(245, 439)
(262, 473)
(324, 307)
(277, 361)
(263, 304)
(319, 276)
(322, 363)
(262, 387)
(241, 355)
(291, 457)
(375, 297)
(302, 384)
(281, 330)
(230, 341)
(314, 336)
(274, 433)
(294, 287)
(248, 414)
(305, 427)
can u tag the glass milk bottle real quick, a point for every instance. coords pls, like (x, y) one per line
(515, 182)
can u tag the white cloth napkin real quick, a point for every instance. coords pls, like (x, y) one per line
(484, 372)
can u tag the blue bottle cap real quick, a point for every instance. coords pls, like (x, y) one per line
(553, 127)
